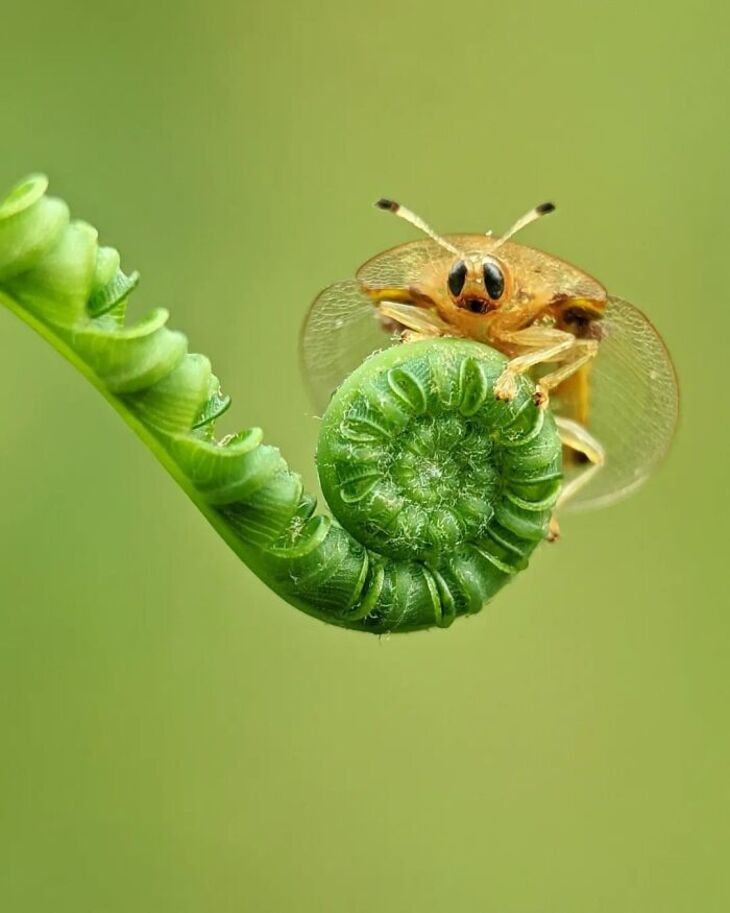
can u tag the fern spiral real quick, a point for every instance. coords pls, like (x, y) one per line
(439, 492)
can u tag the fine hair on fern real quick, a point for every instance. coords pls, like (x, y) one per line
(439, 492)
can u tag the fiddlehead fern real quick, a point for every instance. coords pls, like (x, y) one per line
(440, 493)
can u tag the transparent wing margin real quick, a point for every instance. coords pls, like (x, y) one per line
(341, 329)
(634, 405)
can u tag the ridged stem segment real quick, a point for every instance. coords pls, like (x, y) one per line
(439, 491)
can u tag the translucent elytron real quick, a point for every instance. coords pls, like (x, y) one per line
(634, 404)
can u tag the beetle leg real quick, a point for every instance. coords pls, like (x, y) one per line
(413, 336)
(581, 353)
(582, 441)
(421, 321)
(547, 344)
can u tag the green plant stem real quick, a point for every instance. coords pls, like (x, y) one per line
(440, 492)
(143, 432)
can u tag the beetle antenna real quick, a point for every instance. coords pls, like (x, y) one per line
(403, 213)
(532, 216)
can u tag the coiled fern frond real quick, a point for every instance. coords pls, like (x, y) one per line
(439, 491)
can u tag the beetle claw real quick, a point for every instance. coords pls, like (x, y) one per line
(553, 529)
(505, 389)
(541, 397)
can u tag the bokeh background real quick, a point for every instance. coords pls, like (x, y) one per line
(172, 736)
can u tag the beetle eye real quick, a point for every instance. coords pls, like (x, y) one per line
(493, 280)
(457, 277)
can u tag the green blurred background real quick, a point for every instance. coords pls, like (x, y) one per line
(174, 738)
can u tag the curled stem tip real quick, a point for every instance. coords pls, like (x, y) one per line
(439, 492)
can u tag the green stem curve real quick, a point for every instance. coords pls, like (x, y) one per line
(439, 491)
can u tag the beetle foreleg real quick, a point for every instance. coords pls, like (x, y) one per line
(421, 321)
(580, 354)
(547, 344)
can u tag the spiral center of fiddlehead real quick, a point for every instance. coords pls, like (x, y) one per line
(437, 457)
(418, 458)
(418, 485)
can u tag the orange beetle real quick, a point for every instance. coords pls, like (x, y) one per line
(597, 361)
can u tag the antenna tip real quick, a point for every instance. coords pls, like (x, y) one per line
(545, 208)
(388, 205)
